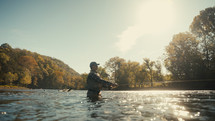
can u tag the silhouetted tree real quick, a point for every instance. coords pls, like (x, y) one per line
(183, 57)
(203, 26)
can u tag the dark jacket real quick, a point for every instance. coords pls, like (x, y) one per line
(95, 83)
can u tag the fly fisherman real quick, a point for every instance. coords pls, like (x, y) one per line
(95, 83)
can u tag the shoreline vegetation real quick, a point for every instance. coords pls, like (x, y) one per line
(32, 70)
(12, 87)
(169, 85)
(189, 59)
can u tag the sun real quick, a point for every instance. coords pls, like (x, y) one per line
(156, 15)
(153, 17)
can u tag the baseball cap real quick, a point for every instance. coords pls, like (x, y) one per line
(93, 63)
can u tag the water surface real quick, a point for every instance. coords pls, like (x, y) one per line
(49, 105)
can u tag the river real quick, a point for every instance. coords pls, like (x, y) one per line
(58, 105)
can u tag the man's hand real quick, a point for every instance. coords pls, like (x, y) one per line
(114, 85)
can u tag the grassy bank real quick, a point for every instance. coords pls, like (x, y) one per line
(11, 87)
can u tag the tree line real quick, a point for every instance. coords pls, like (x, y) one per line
(131, 74)
(28, 69)
(189, 56)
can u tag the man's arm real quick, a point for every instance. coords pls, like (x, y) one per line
(99, 80)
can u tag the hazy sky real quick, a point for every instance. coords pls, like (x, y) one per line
(80, 31)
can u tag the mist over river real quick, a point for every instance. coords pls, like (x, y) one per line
(58, 105)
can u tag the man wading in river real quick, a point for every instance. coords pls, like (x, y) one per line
(95, 83)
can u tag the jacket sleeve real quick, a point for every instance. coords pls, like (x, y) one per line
(99, 80)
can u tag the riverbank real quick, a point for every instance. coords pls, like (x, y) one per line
(207, 84)
(12, 87)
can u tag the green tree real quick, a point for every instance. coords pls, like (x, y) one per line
(143, 76)
(183, 57)
(133, 69)
(158, 71)
(57, 79)
(149, 66)
(113, 66)
(117, 67)
(6, 45)
(4, 58)
(9, 78)
(102, 72)
(78, 82)
(84, 78)
(203, 26)
(122, 74)
(25, 77)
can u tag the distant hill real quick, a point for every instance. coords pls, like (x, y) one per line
(30, 69)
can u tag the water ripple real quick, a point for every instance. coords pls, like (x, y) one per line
(51, 105)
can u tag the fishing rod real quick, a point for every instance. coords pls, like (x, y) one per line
(108, 81)
(175, 81)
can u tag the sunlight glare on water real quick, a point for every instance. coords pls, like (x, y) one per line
(114, 105)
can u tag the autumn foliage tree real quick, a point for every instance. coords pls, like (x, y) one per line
(25, 68)
(29, 62)
(4, 58)
(25, 77)
(9, 78)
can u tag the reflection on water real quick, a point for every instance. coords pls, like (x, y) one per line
(115, 105)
